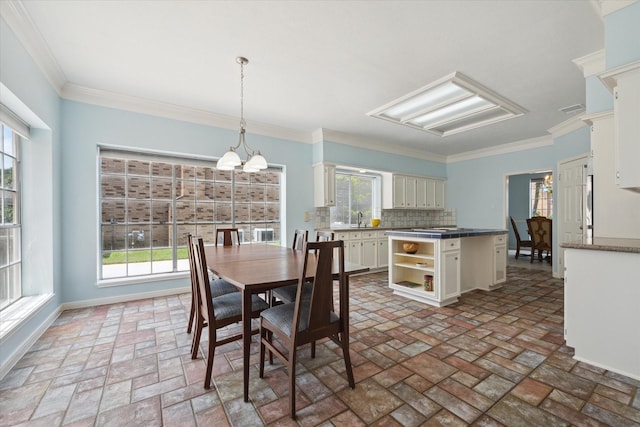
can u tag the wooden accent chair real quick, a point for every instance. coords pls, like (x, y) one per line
(540, 232)
(230, 236)
(215, 312)
(218, 286)
(519, 242)
(308, 320)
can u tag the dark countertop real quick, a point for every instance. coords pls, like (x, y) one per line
(609, 244)
(368, 227)
(435, 233)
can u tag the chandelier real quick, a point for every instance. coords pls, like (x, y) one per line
(255, 161)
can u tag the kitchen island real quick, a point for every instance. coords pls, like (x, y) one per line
(446, 262)
(602, 303)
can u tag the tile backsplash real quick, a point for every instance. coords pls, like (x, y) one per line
(399, 218)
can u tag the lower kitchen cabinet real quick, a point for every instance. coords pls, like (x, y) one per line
(366, 246)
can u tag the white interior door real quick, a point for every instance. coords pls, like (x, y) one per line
(572, 181)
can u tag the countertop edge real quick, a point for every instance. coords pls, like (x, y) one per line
(446, 235)
(617, 247)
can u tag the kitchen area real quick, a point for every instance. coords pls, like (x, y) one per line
(429, 259)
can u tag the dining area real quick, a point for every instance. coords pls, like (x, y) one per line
(538, 241)
(289, 289)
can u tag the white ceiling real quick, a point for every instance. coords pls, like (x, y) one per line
(325, 64)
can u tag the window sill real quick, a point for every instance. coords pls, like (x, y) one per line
(125, 281)
(19, 312)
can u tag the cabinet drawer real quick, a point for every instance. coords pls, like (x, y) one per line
(381, 234)
(369, 234)
(450, 244)
(354, 235)
(342, 235)
(500, 240)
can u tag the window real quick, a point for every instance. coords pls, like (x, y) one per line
(541, 190)
(355, 193)
(150, 203)
(10, 227)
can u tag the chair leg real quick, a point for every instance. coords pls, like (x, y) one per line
(195, 341)
(263, 336)
(517, 252)
(292, 382)
(313, 349)
(211, 353)
(347, 360)
(192, 314)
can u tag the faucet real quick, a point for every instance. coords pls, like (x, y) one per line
(359, 219)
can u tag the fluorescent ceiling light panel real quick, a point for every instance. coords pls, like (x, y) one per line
(447, 106)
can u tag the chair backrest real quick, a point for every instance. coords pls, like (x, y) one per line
(321, 312)
(300, 238)
(324, 236)
(540, 231)
(515, 229)
(230, 236)
(192, 269)
(203, 290)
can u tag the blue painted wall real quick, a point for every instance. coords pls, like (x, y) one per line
(42, 254)
(622, 36)
(85, 127)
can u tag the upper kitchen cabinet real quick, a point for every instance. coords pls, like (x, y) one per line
(324, 185)
(624, 82)
(412, 192)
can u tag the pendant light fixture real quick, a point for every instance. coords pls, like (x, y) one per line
(255, 161)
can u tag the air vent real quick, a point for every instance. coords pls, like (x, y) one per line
(571, 109)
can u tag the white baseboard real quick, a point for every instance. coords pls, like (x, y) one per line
(123, 298)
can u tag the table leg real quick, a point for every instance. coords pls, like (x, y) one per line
(246, 339)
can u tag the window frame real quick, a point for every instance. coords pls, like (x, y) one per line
(368, 213)
(11, 233)
(541, 190)
(194, 190)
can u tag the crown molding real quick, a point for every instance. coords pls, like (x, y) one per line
(610, 6)
(591, 64)
(610, 77)
(374, 144)
(176, 112)
(527, 144)
(568, 126)
(590, 119)
(20, 22)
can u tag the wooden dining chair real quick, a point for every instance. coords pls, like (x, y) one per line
(308, 320)
(230, 236)
(519, 242)
(218, 286)
(215, 312)
(300, 238)
(288, 293)
(324, 236)
(540, 231)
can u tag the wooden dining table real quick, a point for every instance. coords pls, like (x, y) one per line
(257, 268)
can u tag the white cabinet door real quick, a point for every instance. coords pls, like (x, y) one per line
(450, 275)
(439, 199)
(421, 193)
(355, 252)
(369, 253)
(383, 252)
(324, 183)
(627, 111)
(500, 264)
(410, 192)
(398, 191)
